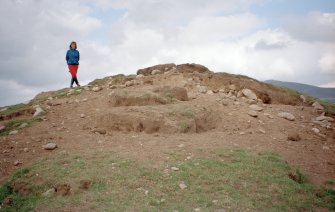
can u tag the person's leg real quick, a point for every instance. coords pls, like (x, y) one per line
(76, 80)
(72, 81)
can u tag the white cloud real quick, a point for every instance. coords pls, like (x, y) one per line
(327, 63)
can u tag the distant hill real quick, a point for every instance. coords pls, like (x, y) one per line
(327, 94)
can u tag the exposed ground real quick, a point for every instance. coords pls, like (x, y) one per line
(181, 113)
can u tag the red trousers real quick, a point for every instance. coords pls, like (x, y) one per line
(73, 70)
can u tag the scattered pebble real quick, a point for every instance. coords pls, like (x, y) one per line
(182, 186)
(174, 168)
(50, 146)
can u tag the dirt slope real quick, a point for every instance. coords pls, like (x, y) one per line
(145, 116)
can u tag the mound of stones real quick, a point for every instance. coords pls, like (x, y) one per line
(182, 68)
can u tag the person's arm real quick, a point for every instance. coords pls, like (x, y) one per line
(67, 56)
(78, 56)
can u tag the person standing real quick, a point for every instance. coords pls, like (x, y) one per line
(72, 59)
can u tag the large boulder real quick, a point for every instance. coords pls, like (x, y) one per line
(249, 94)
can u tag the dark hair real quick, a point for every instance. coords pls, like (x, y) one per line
(74, 43)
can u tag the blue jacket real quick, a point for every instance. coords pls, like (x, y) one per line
(72, 57)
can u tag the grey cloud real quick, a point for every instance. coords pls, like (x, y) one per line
(312, 27)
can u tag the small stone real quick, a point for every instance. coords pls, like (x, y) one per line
(181, 145)
(202, 89)
(225, 102)
(182, 186)
(100, 131)
(139, 76)
(287, 116)
(82, 115)
(261, 130)
(268, 115)
(2, 127)
(303, 98)
(13, 132)
(49, 193)
(315, 130)
(256, 107)
(50, 146)
(253, 113)
(84, 100)
(293, 136)
(23, 125)
(323, 117)
(155, 72)
(197, 209)
(325, 147)
(249, 94)
(209, 92)
(26, 149)
(174, 168)
(17, 162)
(96, 89)
(215, 201)
(317, 106)
(232, 87)
(38, 111)
(129, 83)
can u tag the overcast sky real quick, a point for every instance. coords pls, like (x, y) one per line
(288, 40)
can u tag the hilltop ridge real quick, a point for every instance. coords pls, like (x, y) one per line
(166, 108)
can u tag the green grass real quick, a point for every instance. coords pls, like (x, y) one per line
(184, 125)
(15, 108)
(15, 124)
(329, 106)
(237, 179)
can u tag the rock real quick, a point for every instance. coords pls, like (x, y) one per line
(13, 132)
(23, 125)
(232, 87)
(210, 92)
(174, 168)
(84, 100)
(26, 149)
(317, 106)
(100, 131)
(181, 145)
(316, 130)
(253, 113)
(49, 193)
(261, 131)
(323, 117)
(50, 146)
(2, 127)
(268, 115)
(139, 76)
(182, 186)
(303, 98)
(287, 116)
(197, 209)
(251, 101)
(129, 83)
(293, 136)
(225, 102)
(82, 115)
(202, 89)
(155, 72)
(256, 107)
(249, 94)
(96, 89)
(17, 162)
(38, 111)
(325, 148)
